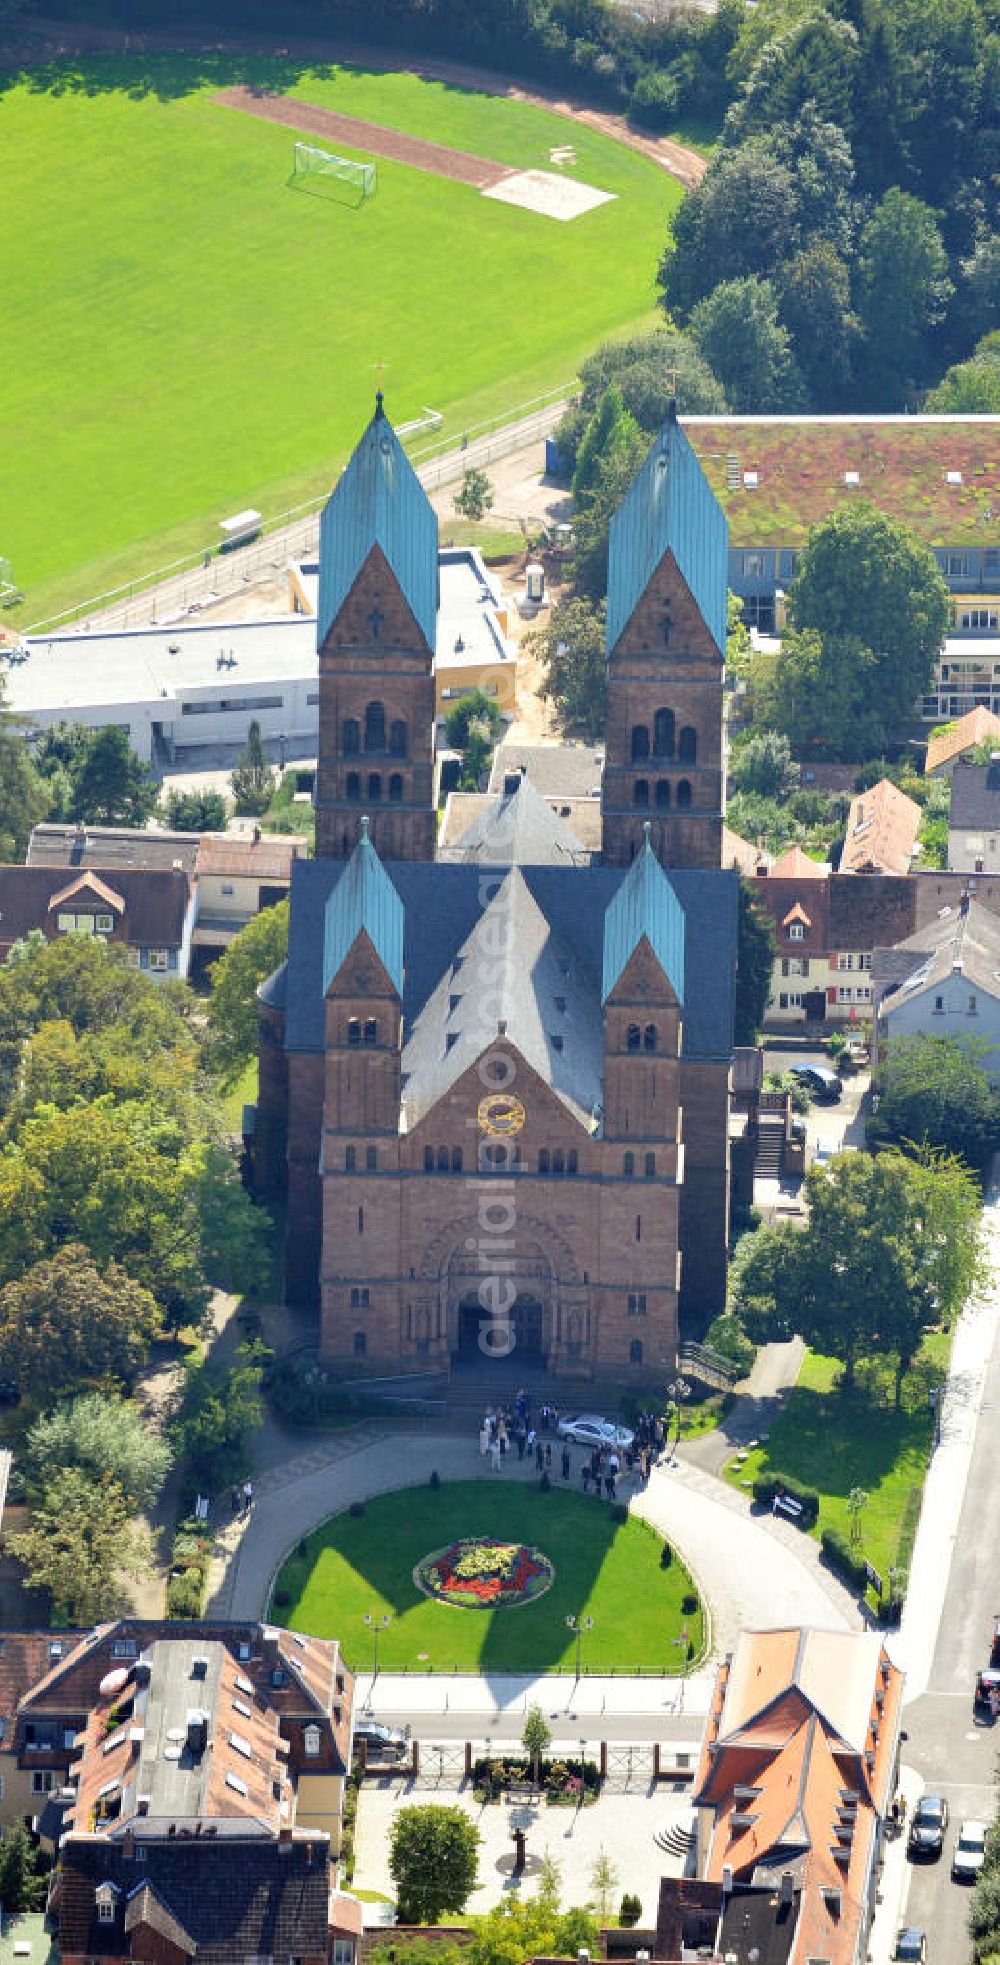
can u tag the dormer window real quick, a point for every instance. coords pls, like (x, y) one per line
(104, 1897)
(796, 932)
(310, 1741)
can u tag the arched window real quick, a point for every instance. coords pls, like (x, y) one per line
(350, 1160)
(353, 788)
(640, 740)
(684, 792)
(361, 1221)
(663, 733)
(687, 749)
(396, 788)
(641, 793)
(354, 1030)
(638, 1228)
(543, 1159)
(371, 1031)
(572, 1163)
(360, 1343)
(650, 1166)
(371, 1159)
(628, 1165)
(351, 736)
(498, 1156)
(649, 1037)
(443, 1159)
(662, 792)
(397, 737)
(428, 1159)
(375, 727)
(632, 1039)
(635, 1351)
(456, 1159)
(374, 786)
(558, 1161)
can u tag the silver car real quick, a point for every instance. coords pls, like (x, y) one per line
(589, 1429)
(969, 1852)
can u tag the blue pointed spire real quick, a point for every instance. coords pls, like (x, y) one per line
(379, 501)
(645, 904)
(364, 899)
(670, 507)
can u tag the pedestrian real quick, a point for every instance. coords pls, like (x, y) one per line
(495, 1456)
(539, 1455)
(548, 1454)
(585, 1476)
(484, 1439)
(530, 1439)
(502, 1443)
(247, 1495)
(520, 1442)
(565, 1463)
(609, 1486)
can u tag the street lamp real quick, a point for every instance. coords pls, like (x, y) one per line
(678, 1390)
(579, 1625)
(376, 1625)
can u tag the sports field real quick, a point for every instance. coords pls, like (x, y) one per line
(186, 333)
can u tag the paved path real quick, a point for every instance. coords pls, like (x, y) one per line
(758, 1400)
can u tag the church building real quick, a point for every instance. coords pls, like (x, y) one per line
(494, 1080)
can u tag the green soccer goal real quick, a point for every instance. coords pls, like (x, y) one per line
(357, 179)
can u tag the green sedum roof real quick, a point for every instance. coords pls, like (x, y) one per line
(644, 905)
(670, 507)
(379, 501)
(364, 899)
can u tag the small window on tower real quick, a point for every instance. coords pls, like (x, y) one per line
(371, 1031)
(354, 1030)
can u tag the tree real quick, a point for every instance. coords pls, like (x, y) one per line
(764, 765)
(23, 1886)
(936, 1089)
(754, 964)
(252, 956)
(532, 1927)
(109, 786)
(740, 221)
(737, 329)
(64, 1321)
(814, 304)
(83, 982)
(971, 388)
(106, 1438)
(571, 650)
(610, 427)
(196, 811)
(218, 1411)
(475, 708)
(253, 781)
(536, 1735)
(592, 520)
(24, 796)
(809, 65)
(603, 1881)
(433, 1858)
(857, 1502)
(903, 292)
(821, 691)
(476, 496)
(80, 1541)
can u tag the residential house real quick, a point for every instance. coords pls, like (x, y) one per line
(149, 913)
(974, 822)
(943, 981)
(945, 747)
(966, 674)
(882, 828)
(798, 1771)
(795, 893)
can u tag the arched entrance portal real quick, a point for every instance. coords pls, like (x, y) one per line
(518, 1337)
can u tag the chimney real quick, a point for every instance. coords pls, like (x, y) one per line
(197, 1731)
(285, 1833)
(787, 1889)
(727, 1879)
(128, 1845)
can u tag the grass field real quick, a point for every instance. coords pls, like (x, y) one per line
(187, 334)
(353, 1565)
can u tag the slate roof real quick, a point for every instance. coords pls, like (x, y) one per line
(556, 770)
(234, 1897)
(645, 905)
(670, 507)
(519, 829)
(364, 901)
(379, 501)
(111, 846)
(156, 903)
(442, 904)
(970, 730)
(975, 796)
(965, 941)
(467, 809)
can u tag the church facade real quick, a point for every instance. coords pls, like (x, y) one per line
(495, 1081)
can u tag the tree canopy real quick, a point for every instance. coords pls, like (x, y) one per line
(252, 956)
(737, 330)
(25, 799)
(105, 1437)
(64, 1321)
(94, 776)
(935, 1089)
(253, 782)
(433, 1859)
(571, 649)
(80, 1543)
(754, 963)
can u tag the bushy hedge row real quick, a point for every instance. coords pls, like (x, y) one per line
(189, 1560)
(559, 1780)
(850, 1567)
(768, 1486)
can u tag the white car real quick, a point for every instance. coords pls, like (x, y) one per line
(969, 1853)
(589, 1429)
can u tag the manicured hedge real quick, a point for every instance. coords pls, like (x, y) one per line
(768, 1486)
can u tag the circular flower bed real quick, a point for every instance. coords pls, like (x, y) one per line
(482, 1574)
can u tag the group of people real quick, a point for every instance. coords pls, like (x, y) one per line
(511, 1430)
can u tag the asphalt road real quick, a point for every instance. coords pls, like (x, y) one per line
(956, 1756)
(665, 1725)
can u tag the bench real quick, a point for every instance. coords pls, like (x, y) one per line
(784, 1504)
(521, 1791)
(201, 1508)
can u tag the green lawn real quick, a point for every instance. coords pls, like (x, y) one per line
(835, 1441)
(355, 1565)
(187, 334)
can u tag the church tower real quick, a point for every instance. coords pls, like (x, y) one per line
(375, 633)
(666, 642)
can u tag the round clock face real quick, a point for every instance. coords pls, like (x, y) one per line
(501, 1114)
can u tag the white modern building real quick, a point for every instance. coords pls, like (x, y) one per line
(944, 981)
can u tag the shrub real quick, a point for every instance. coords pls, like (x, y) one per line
(727, 1336)
(189, 1559)
(666, 1556)
(435, 1480)
(281, 1599)
(629, 1910)
(845, 1560)
(619, 1512)
(768, 1486)
(357, 1508)
(689, 1603)
(545, 1485)
(184, 1594)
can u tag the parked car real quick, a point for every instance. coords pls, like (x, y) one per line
(589, 1429)
(930, 1819)
(969, 1853)
(911, 1945)
(987, 1693)
(823, 1084)
(382, 1742)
